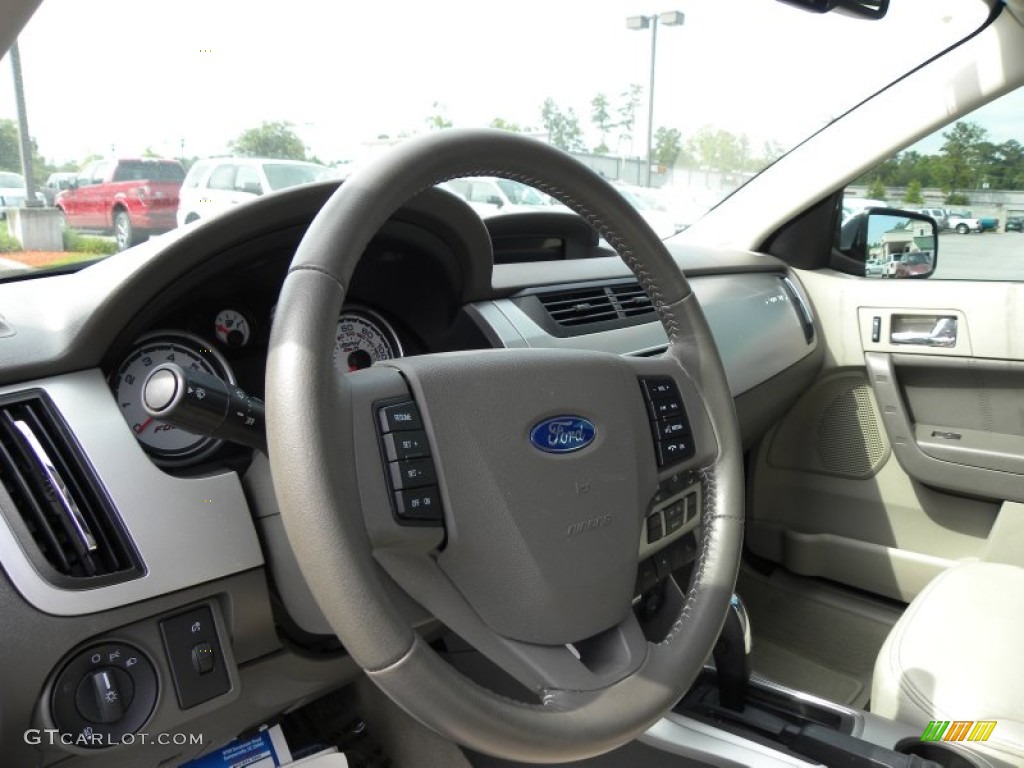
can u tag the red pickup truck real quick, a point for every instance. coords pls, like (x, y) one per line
(132, 198)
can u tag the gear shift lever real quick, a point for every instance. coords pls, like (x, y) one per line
(732, 656)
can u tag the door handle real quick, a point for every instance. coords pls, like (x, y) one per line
(907, 329)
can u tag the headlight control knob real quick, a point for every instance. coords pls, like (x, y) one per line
(102, 694)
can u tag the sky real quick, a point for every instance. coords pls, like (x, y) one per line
(185, 78)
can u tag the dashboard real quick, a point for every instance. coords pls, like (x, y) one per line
(193, 519)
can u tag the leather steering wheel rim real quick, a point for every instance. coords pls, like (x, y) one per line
(315, 455)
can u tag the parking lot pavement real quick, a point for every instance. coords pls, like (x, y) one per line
(986, 256)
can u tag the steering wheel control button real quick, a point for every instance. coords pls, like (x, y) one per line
(202, 658)
(412, 473)
(419, 504)
(665, 408)
(406, 445)
(655, 530)
(672, 428)
(400, 417)
(675, 517)
(669, 425)
(656, 387)
(194, 655)
(409, 469)
(107, 690)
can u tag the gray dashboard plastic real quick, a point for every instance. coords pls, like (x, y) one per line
(187, 530)
(755, 323)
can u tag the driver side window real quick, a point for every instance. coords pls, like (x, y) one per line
(969, 178)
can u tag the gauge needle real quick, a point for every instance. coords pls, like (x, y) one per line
(143, 425)
(223, 329)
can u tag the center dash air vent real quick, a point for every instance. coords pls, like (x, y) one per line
(61, 515)
(583, 306)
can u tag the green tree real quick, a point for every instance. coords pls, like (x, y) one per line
(627, 114)
(913, 194)
(719, 150)
(876, 190)
(10, 153)
(668, 144)
(439, 119)
(504, 125)
(276, 140)
(563, 128)
(960, 156)
(602, 120)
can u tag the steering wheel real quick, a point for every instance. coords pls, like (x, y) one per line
(533, 557)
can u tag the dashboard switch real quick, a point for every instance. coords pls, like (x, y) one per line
(202, 658)
(400, 417)
(104, 695)
(199, 674)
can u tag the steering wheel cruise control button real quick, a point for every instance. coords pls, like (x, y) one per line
(406, 445)
(422, 504)
(412, 473)
(409, 469)
(400, 417)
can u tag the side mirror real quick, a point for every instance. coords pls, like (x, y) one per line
(885, 242)
(495, 200)
(73, 184)
(251, 188)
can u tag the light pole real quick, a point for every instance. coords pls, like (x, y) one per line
(669, 19)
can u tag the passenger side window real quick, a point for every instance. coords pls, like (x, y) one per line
(247, 180)
(969, 178)
(223, 178)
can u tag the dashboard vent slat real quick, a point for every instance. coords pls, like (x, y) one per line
(584, 306)
(64, 517)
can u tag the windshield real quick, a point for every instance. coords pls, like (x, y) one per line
(730, 88)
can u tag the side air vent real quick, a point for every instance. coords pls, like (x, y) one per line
(64, 520)
(583, 306)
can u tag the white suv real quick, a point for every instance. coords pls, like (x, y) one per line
(214, 185)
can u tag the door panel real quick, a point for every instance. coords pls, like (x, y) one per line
(903, 458)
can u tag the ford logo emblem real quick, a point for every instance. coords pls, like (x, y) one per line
(563, 434)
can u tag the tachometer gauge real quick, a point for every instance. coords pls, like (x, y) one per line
(168, 444)
(232, 328)
(363, 338)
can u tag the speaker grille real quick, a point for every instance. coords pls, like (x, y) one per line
(834, 429)
(849, 441)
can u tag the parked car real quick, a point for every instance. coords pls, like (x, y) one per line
(132, 198)
(914, 264)
(963, 223)
(12, 191)
(1014, 224)
(875, 267)
(56, 183)
(940, 215)
(491, 196)
(216, 185)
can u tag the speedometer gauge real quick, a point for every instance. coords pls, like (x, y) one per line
(363, 338)
(168, 444)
